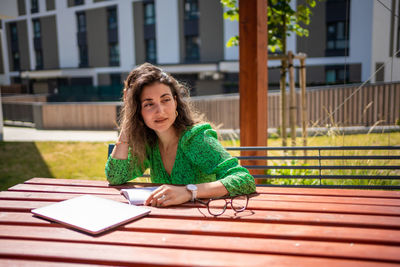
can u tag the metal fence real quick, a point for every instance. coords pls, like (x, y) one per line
(364, 167)
(22, 112)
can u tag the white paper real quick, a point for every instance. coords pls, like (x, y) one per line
(137, 196)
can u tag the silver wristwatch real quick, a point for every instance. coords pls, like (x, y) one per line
(192, 188)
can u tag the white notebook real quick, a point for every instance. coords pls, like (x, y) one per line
(91, 214)
(137, 196)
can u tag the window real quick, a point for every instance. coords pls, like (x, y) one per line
(14, 32)
(337, 36)
(82, 45)
(16, 61)
(83, 56)
(115, 79)
(398, 33)
(191, 9)
(379, 72)
(112, 18)
(78, 2)
(192, 48)
(151, 51)
(39, 59)
(34, 6)
(81, 18)
(36, 28)
(337, 27)
(336, 74)
(114, 54)
(149, 13)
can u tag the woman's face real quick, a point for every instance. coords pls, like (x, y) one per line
(158, 107)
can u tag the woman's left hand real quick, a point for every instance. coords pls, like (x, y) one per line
(168, 195)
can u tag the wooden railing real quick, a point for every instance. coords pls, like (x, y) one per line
(338, 106)
(335, 106)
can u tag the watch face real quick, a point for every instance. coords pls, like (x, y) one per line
(191, 187)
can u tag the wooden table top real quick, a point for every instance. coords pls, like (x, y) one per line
(282, 227)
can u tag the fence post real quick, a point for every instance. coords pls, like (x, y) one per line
(1, 118)
(283, 102)
(303, 102)
(292, 104)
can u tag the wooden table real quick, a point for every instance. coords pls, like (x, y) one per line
(282, 227)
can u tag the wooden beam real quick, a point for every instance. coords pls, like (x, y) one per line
(253, 75)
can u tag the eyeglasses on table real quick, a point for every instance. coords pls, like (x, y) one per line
(217, 206)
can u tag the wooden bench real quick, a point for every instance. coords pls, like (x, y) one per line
(357, 167)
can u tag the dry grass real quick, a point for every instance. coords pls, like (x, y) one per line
(20, 161)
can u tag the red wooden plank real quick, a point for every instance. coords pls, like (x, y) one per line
(45, 196)
(321, 217)
(123, 255)
(241, 228)
(24, 195)
(52, 181)
(213, 243)
(37, 263)
(329, 199)
(328, 192)
(64, 189)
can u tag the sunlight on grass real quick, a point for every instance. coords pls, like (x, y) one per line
(20, 161)
(372, 139)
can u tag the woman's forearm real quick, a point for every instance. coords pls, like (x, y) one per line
(211, 190)
(121, 147)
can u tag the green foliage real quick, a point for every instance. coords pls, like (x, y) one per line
(282, 21)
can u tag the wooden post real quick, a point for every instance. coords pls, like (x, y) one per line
(303, 102)
(292, 101)
(253, 76)
(283, 102)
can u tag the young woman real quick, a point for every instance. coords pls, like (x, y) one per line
(160, 131)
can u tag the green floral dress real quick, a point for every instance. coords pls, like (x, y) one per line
(200, 158)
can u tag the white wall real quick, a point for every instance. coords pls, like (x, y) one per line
(361, 14)
(381, 41)
(231, 28)
(167, 31)
(125, 35)
(66, 33)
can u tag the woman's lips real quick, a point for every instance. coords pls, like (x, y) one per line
(160, 120)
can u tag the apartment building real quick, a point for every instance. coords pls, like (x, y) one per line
(46, 44)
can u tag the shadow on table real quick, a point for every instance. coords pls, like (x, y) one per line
(20, 161)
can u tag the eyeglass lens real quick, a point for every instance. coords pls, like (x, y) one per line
(239, 203)
(217, 206)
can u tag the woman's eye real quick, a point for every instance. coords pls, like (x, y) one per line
(166, 100)
(147, 105)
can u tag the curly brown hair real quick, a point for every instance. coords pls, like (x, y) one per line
(131, 120)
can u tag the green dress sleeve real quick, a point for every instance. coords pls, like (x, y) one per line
(120, 171)
(202, 147)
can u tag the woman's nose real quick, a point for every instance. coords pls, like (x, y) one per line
(158, 108)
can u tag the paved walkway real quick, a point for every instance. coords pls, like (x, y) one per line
(31, 134)
(28, 134)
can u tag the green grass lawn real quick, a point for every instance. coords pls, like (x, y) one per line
(20, 161)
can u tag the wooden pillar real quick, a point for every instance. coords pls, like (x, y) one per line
(253, 76)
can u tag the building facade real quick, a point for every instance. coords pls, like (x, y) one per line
(46, 44)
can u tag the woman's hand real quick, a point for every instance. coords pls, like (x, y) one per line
(168, 195)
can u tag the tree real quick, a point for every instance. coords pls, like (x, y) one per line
(282, 21)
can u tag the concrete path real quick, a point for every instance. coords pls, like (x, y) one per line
(26, 134)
